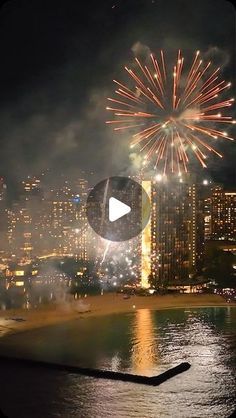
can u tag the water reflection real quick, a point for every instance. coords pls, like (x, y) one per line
(144, 345)
(145, 342)
(5, 326)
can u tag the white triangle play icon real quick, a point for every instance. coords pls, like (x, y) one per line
(117, 209)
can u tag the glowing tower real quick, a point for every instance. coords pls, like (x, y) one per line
(146, 242)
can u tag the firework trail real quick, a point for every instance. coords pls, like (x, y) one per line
(172, 115)
(105, 252)
(104, 205)
(103, 216)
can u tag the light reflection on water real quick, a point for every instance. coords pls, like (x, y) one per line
(5, 326)
(144, 356)
(145, 342)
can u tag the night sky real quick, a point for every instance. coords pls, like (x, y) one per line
(58, 60)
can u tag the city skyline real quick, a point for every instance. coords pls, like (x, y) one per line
(52, 103)
(50, 222)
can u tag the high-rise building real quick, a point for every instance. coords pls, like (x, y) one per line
(223, 214)
(3, 189)
(30, 186)
(176, 230)
(207, 218)
(3, 215)
(68, 219)
(20, 231)
(25, 226)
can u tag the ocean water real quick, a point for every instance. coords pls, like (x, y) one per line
(143, 342)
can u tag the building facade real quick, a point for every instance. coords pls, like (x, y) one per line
(223, 214)
(176, 230)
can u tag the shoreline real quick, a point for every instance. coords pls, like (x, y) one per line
(108, 304)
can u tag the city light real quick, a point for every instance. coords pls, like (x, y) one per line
(146, 245)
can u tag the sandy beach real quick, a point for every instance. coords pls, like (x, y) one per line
(12, 321)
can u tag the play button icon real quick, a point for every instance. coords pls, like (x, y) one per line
(118, 208)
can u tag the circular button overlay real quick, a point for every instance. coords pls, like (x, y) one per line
(118, 208)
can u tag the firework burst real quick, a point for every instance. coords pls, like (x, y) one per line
(172, 116)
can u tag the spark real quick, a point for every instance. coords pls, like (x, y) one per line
(172, 115)
(158, 177)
